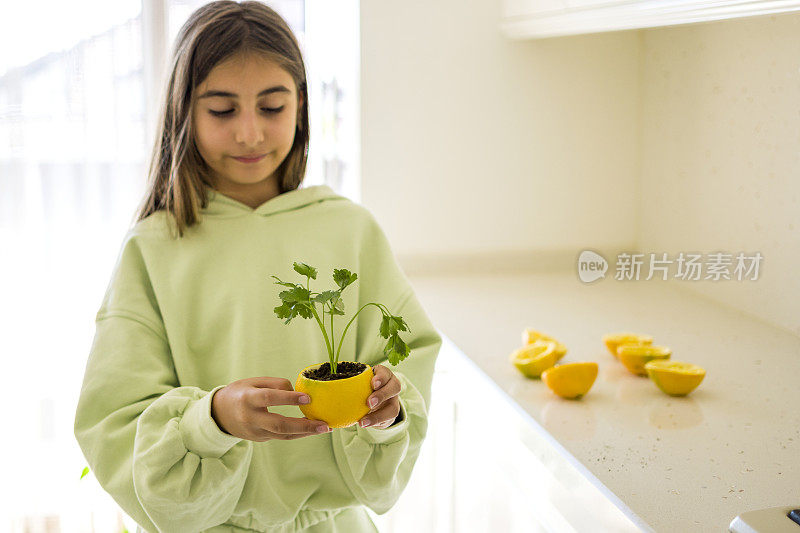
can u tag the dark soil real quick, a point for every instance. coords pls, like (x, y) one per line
(344, 369)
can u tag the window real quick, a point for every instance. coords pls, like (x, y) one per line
(73, 165)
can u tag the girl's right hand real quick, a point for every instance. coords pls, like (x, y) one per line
(241, 409)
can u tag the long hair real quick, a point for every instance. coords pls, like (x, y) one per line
(217, 31)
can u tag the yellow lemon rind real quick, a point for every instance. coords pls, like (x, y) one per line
(676, 378)
(612, 340)
(529, 335)
(533, 359)
(340, 402)
(635, 356)
(571, 380)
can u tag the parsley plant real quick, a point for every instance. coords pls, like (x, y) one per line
(299, 300)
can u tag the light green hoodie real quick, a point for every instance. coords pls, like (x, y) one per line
(182, 318)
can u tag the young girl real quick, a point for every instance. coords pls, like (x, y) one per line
(187, 415)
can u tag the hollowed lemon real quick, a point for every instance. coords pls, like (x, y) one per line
(534, 358)
(635, 356)
(676, 378)
(612, 340)
(571, 380)
(530, 335)
(339, 402)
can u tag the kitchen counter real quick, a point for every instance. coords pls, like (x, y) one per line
(668, 463)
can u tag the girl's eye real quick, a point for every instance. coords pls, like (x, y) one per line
(229, 111)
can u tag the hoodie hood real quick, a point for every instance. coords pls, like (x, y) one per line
(222, 205)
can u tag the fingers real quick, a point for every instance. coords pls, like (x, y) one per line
(384, 403)
(386, 390)
(264, 392)
(262, 398)
(270, 383)
(384, 415)
(382, 376)
(282, 427)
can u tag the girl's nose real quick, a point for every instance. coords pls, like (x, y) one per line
(248, 130)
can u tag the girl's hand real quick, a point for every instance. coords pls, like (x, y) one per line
(387, 406)
(241, 409)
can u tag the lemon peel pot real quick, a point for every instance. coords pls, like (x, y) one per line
(339, 402)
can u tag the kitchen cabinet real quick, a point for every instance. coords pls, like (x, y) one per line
(486, 465)
(531, 19)
(508, 473)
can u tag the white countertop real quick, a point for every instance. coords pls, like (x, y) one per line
(677, 464)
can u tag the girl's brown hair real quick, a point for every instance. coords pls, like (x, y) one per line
(217, 31)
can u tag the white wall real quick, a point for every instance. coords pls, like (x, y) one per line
(473, 144)
(721, 153)
(677, 139)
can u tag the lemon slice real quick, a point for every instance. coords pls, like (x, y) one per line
(675, 378)
(634, 356)
(534, 358)
(571, 380)
(612, 340)
(530, 335)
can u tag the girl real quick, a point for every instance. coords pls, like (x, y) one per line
(186, 415)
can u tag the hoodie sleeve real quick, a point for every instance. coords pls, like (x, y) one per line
(376, 464)
(152, 444)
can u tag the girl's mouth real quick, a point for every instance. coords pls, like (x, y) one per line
(250, 159)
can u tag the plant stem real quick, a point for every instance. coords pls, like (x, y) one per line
(328, 343)
(324, 334)
(323, 314)
(339, 349)
(333, 337)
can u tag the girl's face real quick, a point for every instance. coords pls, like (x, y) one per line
(257, 117)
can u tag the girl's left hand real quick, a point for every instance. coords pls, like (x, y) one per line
(387, 402)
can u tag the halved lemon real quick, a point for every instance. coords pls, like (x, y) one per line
(534, 358)
(571, 380)
(530, 335)
(634, 356)
(612, 340)
(339, 402)
(676, 378)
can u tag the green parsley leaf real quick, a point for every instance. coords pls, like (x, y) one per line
(279, 282)
(396, 350)
(401, 324)
(304, 310)
(289, 310)
(385, 330)
(343, 277)
(285, 311)
(390, 325)
(325, 296)
(337, 305)
(389, 349)
(298, 294)
(305, 270)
